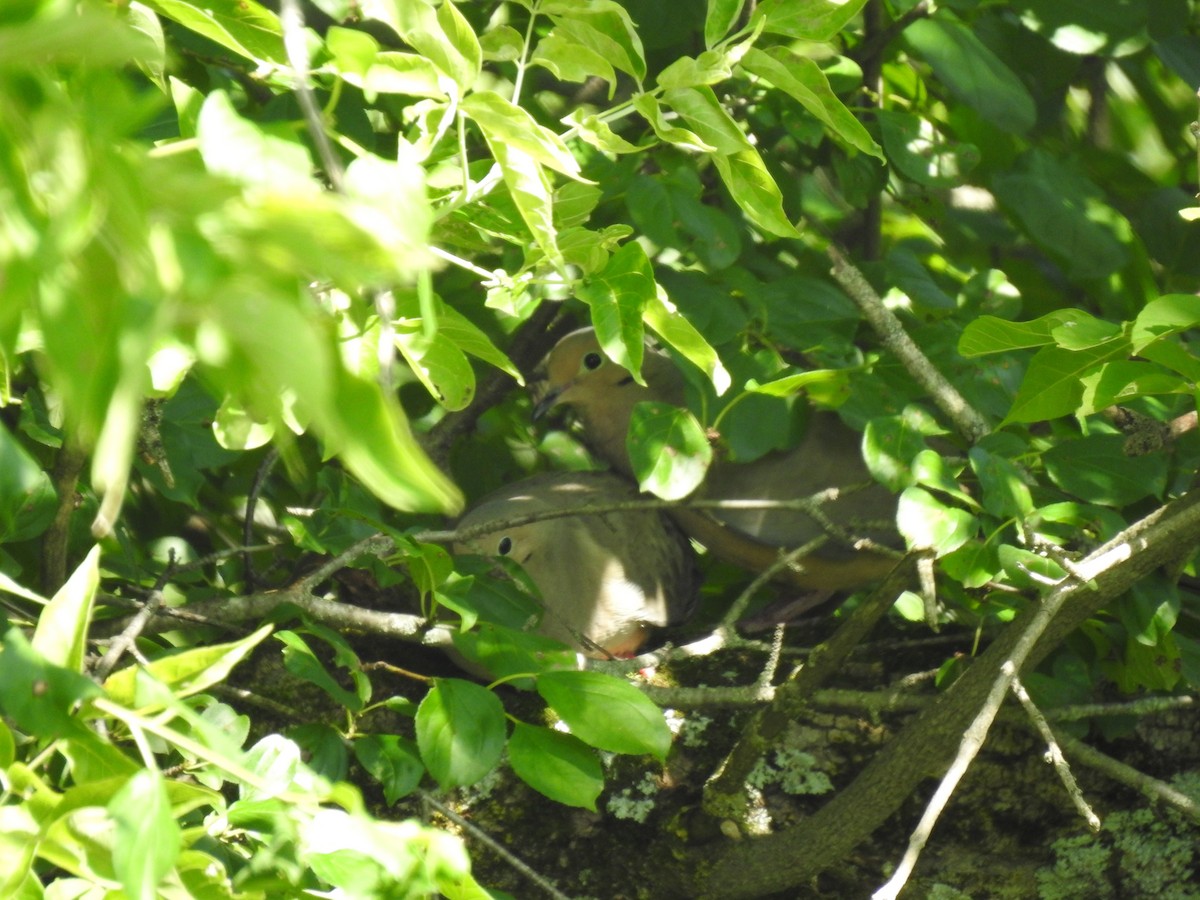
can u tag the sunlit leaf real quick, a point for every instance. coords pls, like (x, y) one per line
(606, 712)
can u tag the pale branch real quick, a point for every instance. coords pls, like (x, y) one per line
(1152, 788)
(1055, 755)
(967, 420)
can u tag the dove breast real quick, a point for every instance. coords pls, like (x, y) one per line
(605, 578)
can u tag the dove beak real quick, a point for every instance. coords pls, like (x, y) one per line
(546, 402)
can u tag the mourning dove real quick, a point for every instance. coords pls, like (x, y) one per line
(605, 578)
(576, 374)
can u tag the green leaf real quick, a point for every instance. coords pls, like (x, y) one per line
(1084, 333)
(617, 296)
(755, 191)
(890, 443)
(833, 380)
(702, 111)
(668, 450)
(1026, 569)
(602, 26)
(299, 659)
(972, 72)
(1125, 380)
(558, 765)
(675, 329)
(440, 365)
(1170, 314)
(442, 36)
(460, 731)
(606, 712)
(185, 673)
(503, 122)
(1053, 382)
(1064, 213)
(505, 652)
(61, 632)
(930, 469)
(593, 130)
(1089, 29)
(710, 67)
(465, 334)
(1005, 493)
(571, 60)
(373, 439)
(277, 764)
(973, 564)
(242, 151)
(921, 153)
(40, 697)
(648, 106)
(721, 16)
(809, 20)
(802, 79)
(532, 194)
(1096, 469)
(927, 523)
(391, 760)
(988, 334)
(27, 498)
(147, 840)
(242, 26)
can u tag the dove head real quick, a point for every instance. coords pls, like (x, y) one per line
(576, 374)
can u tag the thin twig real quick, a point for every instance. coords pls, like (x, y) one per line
(492, 844)
(1151, 787)
(967, 420)
(125, 640)
(1055, 755)
(291, 19)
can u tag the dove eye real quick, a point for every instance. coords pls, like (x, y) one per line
(592, 361)
(505, 546)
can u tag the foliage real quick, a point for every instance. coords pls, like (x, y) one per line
(197, 274)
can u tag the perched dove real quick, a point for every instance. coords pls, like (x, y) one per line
(602, 394)
(605, 578)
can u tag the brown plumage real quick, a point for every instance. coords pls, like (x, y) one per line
(601, 394)
(605, 578)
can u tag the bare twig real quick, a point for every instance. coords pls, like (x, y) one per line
(496, 847)
(1055, 755)
(1153, 788)
(260, 478)
(67, 466)
(291, 18)
(966, 419)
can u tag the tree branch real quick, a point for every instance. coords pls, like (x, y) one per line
(782, 860)
(966, 419)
